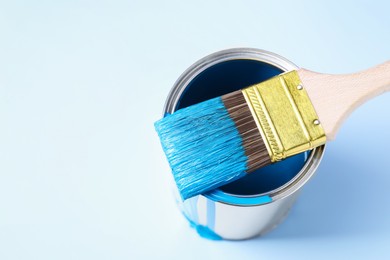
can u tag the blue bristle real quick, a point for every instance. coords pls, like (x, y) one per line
(203, 147)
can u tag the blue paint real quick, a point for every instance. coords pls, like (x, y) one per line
(203, 231)
(210, 214)
(219, 195)
(190, 207)
(268, 178)
(191, 214)
(203, 147)
(245, 191)
(223, 78)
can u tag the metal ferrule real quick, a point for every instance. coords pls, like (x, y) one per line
(284, 116)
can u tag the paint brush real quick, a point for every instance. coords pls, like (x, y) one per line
(220, 140)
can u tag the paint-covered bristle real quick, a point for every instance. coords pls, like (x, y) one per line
(212, 143)
(254, 146)
(203, 147)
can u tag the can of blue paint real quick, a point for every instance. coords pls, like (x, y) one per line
(255, 204)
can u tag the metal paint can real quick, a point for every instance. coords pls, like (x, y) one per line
(258, 202)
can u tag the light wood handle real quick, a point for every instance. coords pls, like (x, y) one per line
(334, 97)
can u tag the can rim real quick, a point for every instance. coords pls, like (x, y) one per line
(270, 58)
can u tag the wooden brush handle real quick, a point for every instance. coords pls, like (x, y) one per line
(334, 97)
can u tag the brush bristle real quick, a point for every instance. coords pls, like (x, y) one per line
(254, 146)
(211, 144)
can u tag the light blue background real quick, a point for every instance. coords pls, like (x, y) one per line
(82, 175)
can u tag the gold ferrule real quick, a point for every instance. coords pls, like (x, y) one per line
(284, 116)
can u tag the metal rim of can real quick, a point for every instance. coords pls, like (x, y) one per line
(270, 58)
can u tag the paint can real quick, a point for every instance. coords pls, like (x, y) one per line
(255, 204)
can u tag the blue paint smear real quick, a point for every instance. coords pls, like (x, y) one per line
(203, 231)
(218, 195)
(210, 214)
(203, 147)
(192, 208)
